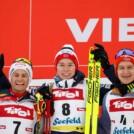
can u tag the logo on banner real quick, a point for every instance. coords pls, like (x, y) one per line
(125, 29)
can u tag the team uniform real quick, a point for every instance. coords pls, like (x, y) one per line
(17, 114)
(117, 114)
(69, 108)
(118, 104)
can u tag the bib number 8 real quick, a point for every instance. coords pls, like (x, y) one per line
(65, 109)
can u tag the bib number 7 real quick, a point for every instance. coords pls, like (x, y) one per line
(17, 126)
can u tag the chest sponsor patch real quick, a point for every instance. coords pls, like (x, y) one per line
(68, 94)
(122, 104)
(17, 111)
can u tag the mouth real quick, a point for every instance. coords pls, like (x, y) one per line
(65, 75)
(126, 77)
(19, 84)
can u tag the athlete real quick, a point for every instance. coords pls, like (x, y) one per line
(108, 69)
(18, 109)
(68, 94)
(117, 109)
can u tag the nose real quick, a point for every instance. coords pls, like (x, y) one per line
(20, 78)
(126, 70)
(66, 68)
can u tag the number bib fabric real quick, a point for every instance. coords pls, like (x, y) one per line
(70, 106)
(121, 112)
(17, 117)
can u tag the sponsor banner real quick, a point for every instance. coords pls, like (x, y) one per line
(38, 29)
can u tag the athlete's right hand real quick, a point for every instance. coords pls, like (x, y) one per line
(44, 90)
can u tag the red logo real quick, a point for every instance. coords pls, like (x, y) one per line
(68, 94)
(16, 111)
(28, 129)
(2, 126)
(122, 104)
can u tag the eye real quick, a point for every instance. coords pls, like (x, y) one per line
(61, 65)
(25, 75)
(70, 65)
(130, 67)
(16, 75)
(120, 68)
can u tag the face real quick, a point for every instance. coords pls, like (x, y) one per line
(66, 69)
(125, 72)
(19, 81)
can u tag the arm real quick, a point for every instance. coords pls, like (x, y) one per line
(4, 83)
(104, 88)
(104, 123)
(110, 73)
(101, 54)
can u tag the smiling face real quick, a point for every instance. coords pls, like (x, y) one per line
(125, 72)
(66, 69)
(19, 81)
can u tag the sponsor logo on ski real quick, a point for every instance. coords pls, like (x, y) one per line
(90, 85)
(96, 84)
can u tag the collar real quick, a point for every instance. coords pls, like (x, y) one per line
(17, 95)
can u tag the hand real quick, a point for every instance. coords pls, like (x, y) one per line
(125, 88)
(43, 90)
(101, 54)
(1, 61)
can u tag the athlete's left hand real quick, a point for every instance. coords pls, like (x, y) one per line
(101, 54)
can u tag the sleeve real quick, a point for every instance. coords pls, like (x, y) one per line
(110, 73)
(104, 88)
(4, 82)
(104, 123)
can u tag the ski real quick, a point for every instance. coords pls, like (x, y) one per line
(96, 97)
(92, 95)
(89, 93)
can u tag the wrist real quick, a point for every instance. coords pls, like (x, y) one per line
(106, 65)
(1, 73)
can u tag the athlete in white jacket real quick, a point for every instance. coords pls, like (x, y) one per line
(118, 104)
(18, 109)
(68, 94)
